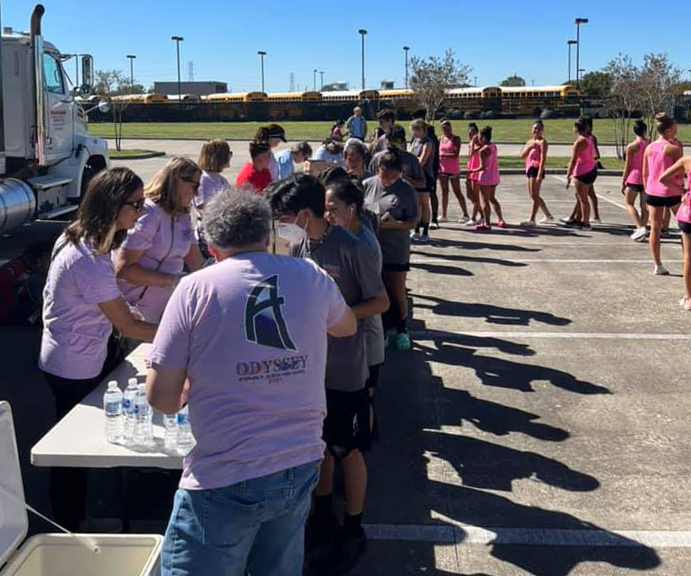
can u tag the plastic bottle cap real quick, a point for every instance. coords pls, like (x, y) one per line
(132, 382)
(112, 384)
(142, 387)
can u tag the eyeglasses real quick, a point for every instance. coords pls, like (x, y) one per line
(137, 204)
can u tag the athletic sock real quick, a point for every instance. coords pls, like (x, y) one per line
(323, 506)
(402, 327)
(352, 525)
(425, 228)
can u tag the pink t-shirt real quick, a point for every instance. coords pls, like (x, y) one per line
(585, 161)
(636, 172)
(251, 333)
(533, 158)
(658, 162)
(165, 240)
(448, 161)
(490, 175)
(474, 162)
(75, 331)
(684, 212)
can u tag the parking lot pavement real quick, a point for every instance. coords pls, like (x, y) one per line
(539, 424)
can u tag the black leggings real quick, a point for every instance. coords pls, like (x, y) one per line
(68, 485)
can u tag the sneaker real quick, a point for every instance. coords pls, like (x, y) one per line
(639, 233)
(402, 341)
(661, 271)
(433, 226)
(423, 238)
(442, 219)
(685, 303)
(501, 224)
(565, 220)
(547, 220)
(483, 227)
(463, 220)
(528, 223)
(597, 221)
(347, 551)
(414, 236)
(475, 222)
(573, 223)
(586, 227)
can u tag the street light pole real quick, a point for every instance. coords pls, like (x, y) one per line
(322, 80)
(131, 58)
(177, 40)
(363, 33)
(406, 48)
(314, 79)
(578, 22)
(570, 43)
(261, 58)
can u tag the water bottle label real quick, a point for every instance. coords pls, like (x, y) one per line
(112, 407)
(181, 419)
(127, 405)
(137, 409)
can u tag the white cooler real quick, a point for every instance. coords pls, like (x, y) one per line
(60, 554)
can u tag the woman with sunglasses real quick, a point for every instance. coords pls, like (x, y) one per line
(81, 304)
(156, 250)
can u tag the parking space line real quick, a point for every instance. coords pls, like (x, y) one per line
(600, 196)
(434, 334)
(463, 534)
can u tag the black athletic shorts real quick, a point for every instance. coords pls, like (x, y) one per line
(373, 377)
(346, 426)
(636, 187)
(662, 201)
(684, 226)
(532, 172)
(396, 267)
(588, 177)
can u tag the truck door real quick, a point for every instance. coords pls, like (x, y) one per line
(59, 110)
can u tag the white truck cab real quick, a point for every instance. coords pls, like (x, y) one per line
(46, 155)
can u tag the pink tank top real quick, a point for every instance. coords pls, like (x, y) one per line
(447, 164)
(490, 175)
(657, 164)
(684, 212)
(474, 162)
(636, 163)
(532, 160)
(585, 161)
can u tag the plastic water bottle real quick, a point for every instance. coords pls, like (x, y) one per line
(143, 416)
(170, 438)
(128, 409)
(112, 406)
(185, 438)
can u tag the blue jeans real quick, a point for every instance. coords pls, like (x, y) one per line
(256, 527)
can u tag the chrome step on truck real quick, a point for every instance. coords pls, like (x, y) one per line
(46, 153)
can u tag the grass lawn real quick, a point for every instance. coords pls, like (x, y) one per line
(559, 130)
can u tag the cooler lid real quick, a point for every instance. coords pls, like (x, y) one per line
(13, 519)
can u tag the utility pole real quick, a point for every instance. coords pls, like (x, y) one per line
(314, 80)
(322, 80)
(578, 23)
(177, 40)
(405, 49)
(363, 33)
(292, 81)
(261, 58)
(570, 43)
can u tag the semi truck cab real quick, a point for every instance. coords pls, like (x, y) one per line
(46, 154)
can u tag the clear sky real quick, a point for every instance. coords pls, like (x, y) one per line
(495, 37)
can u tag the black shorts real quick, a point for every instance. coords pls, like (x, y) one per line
(532, 172)
(662, 201)
(455, 176)
(346, 427)
(588, 177)
(636, 187)
(405, 267)
(373, 377)
(684, 226)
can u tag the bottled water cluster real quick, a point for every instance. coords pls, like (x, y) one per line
(129, 420)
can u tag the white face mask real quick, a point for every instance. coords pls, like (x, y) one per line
(291, 232)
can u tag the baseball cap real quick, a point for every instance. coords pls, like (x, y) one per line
(276, 131)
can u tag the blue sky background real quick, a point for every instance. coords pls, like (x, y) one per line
(497, 38)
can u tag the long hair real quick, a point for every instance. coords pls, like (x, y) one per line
(96, 219)
(163, 188)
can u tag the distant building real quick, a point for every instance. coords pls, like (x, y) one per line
(201, 88)
(335, 87)
(387, 85)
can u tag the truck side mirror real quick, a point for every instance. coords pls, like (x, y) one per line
(87, 74)
(103, 106)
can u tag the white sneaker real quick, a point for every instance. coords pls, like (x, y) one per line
(463, 220)
(474, 222)
(442, 219)
(685, 303)
(528, 223)
(433, 226)
(639, 233)
(547, 220)
(414, 235)
(596, 221)
(661, 271)
(565, 220)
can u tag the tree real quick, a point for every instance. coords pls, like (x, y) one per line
(111, 83)
(431, 78)
(657, 80)
(596, 84)
(623, 98)
(514, 80)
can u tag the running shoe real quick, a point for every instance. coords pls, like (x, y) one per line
(685, 303)
(639, 233)
(414, 236)
(566, 220)
(433, 226)
(547, 220)
(573, 223)
(423, 238)
(474, 222)
(483, 227)
(586, 227)
(501, 224)
(597, 221)
(442, 219)
(528, 223)
(660, 270)
(463, 220)
(402, 341)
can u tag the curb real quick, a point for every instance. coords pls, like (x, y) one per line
(151, 154)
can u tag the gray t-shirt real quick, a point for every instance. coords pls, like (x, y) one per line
(379, 145)
(374, 328)
(416, 147)
(411, 165)
(349, 262)
(400, 201)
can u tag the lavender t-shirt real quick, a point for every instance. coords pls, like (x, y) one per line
(165, 240)
(210, 184)
(75, 331)
(251, 333)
